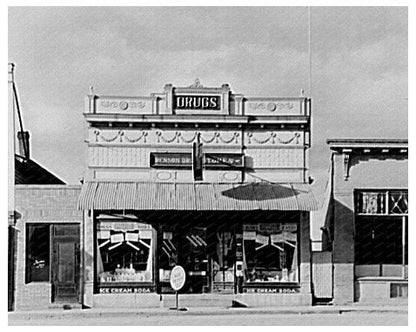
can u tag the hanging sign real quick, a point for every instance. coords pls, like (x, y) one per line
(177, 277)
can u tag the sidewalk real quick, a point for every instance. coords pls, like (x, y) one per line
(202, 311)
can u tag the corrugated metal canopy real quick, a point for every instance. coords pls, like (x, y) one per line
(111, 195)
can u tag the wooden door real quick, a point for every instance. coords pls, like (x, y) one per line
(322, 275)
(65, 263)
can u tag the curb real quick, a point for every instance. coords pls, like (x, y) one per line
(96, 313)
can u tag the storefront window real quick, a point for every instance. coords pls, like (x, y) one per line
(37, 252)
(381, 228)
(270, 252)
(124, 252)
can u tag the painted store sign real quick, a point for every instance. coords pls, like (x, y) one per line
(184, 160)
(195, 102)
(269, 290)
(126, 290)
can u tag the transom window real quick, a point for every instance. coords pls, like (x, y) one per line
(381, 202)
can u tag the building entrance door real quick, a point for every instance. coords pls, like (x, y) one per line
(65, 263)
(223, 262)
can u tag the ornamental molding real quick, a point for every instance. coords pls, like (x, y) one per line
(121, 135)
(272, 138)
(186, 137)
(178, 137)
(196, 85)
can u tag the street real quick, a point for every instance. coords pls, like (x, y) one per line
(186, 318)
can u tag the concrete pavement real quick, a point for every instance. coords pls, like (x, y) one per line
(60, 313)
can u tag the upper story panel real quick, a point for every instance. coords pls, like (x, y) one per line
(197, 100)
(270, 136)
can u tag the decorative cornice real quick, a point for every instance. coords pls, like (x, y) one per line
(353, 143)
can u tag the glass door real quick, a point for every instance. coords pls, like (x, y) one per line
(223, 262)
(194, 259)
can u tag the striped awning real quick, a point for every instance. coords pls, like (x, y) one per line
(111, 195)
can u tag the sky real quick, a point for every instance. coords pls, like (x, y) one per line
(359, 85)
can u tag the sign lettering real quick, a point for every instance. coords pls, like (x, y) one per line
(184, 160)
(270, 290)
(177, 277)
(197, 102)
(126, 290)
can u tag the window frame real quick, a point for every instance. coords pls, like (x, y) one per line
(387, 212)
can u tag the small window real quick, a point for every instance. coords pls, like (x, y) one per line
(37, 252)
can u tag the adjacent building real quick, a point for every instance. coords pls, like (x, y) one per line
(366, 226)
(43, 227)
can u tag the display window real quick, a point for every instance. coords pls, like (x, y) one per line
(270, 252)
(124, 252)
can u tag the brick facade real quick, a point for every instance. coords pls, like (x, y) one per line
(39, 204)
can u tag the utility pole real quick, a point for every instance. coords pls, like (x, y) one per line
(309, 52)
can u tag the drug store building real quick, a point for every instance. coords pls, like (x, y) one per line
(201, 177)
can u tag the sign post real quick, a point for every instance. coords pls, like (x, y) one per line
(177, 281)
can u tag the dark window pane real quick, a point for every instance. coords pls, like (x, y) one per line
(378, 240)
(37, 252)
